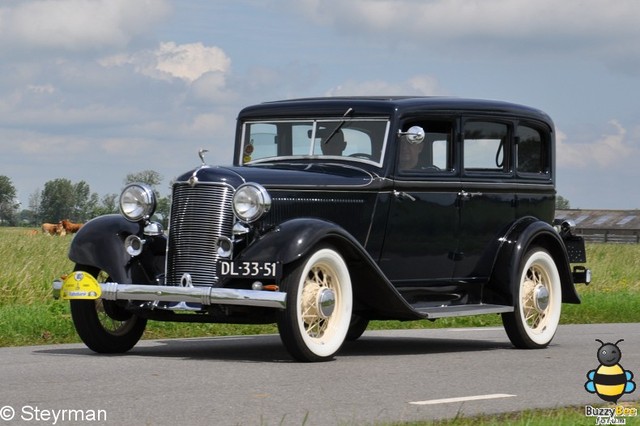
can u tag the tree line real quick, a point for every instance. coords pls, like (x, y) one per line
(62, 199)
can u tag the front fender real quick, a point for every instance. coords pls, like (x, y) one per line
(294, 239)
(100, 243)
(526, 233)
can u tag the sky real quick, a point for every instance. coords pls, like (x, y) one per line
(93, 90)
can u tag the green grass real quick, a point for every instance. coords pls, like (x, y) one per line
(559, 416)
(29, 315)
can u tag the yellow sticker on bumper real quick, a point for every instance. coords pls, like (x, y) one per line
(80, 285)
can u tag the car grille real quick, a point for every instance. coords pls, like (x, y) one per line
(200, 214)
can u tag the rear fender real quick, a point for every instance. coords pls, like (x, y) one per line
(100, 243)
(526, 233)
(293, 240)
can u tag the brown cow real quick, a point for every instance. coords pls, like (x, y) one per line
(53, 229)
(70, 227)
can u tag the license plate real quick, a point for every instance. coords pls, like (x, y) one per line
(240, 269)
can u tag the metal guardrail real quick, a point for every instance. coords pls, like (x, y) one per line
(604, 226)
(618, 236)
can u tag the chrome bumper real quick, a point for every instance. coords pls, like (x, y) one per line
(203, 295)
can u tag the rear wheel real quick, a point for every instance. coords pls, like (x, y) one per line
(536, 316)
(104, 326)
(357, 326)
(319, 302)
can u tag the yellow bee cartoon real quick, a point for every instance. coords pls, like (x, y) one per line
(609, 381)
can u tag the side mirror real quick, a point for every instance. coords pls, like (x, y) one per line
(415, 134)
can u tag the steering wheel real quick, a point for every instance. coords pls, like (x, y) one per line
(432, 168)
(361, 155)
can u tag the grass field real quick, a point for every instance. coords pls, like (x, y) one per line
(29, 315)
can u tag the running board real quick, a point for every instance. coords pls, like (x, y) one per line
(463, 310)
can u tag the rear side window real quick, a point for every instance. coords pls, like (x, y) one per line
(485, 147)
(533, 151)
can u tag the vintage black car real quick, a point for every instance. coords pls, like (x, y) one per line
(338, 211)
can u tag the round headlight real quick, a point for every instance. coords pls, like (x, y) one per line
(137, 202)
(250, 202)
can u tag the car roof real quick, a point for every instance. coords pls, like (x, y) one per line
(387, 105)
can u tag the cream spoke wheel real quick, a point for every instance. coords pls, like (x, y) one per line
(111, 325)
(534, 312)
(538, 303)
(317, 282)
(319, 302)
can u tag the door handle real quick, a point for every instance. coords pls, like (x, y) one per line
(403, 195)
(468, 195)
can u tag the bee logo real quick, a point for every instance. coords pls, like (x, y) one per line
(609, 381)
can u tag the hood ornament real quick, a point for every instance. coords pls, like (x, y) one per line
(193, 180)
(201, 155)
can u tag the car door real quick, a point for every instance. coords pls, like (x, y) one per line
(421, 229)
(486, 197)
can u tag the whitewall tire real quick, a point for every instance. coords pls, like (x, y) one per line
(316, 320)
(536, 316)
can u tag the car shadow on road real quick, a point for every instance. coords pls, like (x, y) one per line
(269, 348)
(388, 346)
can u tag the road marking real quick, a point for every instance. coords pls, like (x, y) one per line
(462, 330)
(462, 399)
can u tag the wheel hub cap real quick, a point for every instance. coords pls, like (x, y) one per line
(541, 298)
(326, 302)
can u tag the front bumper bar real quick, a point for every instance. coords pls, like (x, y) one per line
(197, 294)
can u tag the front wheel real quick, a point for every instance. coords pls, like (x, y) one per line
(536, 316)
(318, 310)
(104, 326)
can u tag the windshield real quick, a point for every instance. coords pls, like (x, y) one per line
(354, 139)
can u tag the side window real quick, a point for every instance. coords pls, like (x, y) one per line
(533, 149)
(485, 146)
(433, 154)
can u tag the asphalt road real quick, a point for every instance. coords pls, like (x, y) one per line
(250, 380)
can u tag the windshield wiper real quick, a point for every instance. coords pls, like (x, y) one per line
(339, 126)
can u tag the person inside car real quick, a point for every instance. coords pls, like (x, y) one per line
(409, 153)
(335, 145)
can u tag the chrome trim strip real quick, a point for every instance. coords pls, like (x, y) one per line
(198, 294)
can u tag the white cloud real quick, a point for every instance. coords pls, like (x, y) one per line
(191, 61)
(609, 150)
(41, 88)
(66, 149)
(187, 62)
(603, 28)
(418, 85)
(132, 146)
(77, 25)
(612, 148)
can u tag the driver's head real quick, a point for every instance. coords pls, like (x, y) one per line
(335, 145)
(409, 153)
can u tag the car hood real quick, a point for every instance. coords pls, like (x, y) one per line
(283, 175)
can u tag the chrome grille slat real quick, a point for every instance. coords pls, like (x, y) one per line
(199, 215)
